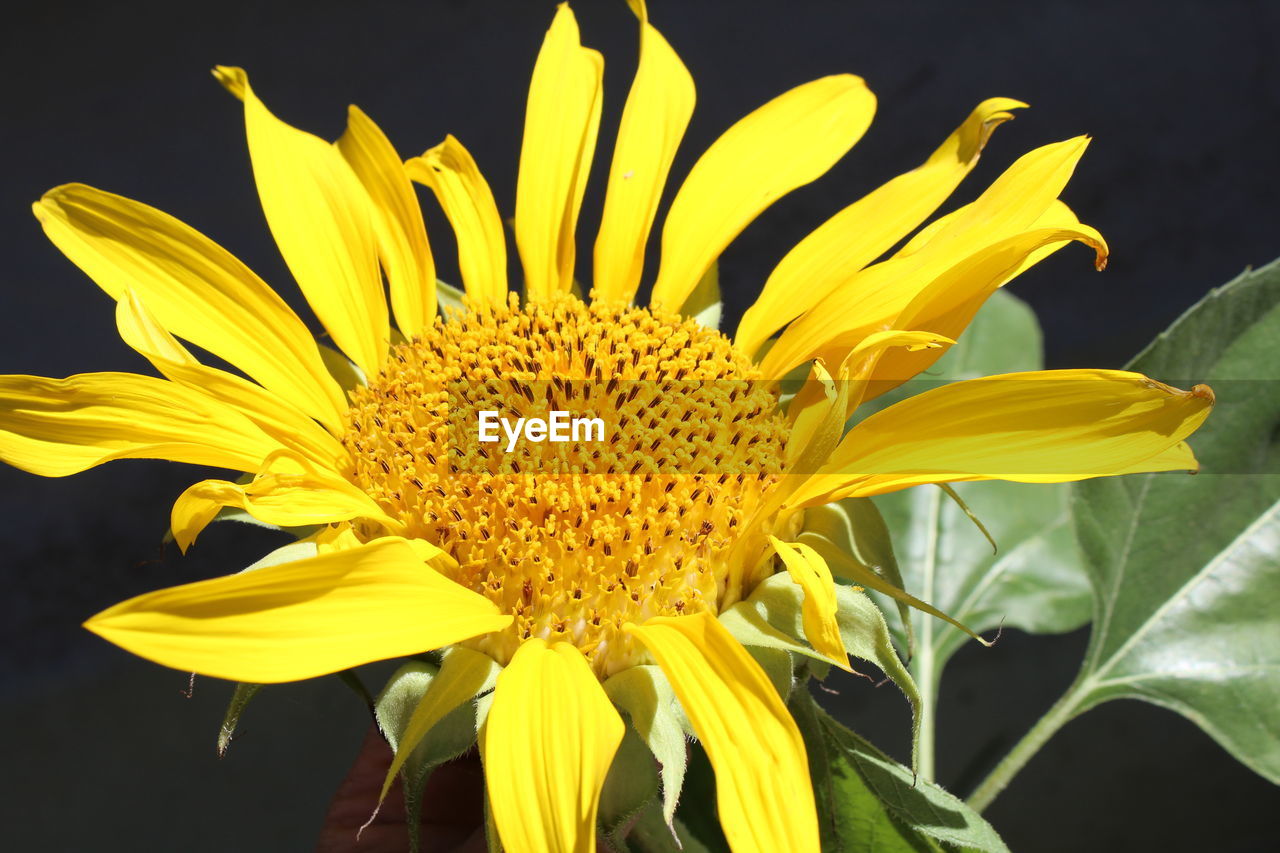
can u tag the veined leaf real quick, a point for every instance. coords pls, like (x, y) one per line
(1186, 570)
(868, 803)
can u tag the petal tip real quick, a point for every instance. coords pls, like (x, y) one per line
(232, 78)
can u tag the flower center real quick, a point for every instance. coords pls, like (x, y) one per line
(574, 537)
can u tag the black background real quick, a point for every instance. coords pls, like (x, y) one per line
(102, 752)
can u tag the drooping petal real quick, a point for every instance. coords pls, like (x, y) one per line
(397, 222)
(653, 123)
(196, 289)
(763, 792)
(820, 409)
(322, 221)
(784, 144)
(455, 179)
(561, 122)
(857, 235)
(548, 743)
(301, 619)
(810, 572)
(948, 304)
(275, 416)
(289, 493)
(877, 297)
(56, 427)
(1045, 426)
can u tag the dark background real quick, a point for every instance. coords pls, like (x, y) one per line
(101, 750)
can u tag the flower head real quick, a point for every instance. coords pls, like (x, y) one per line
(595, 571)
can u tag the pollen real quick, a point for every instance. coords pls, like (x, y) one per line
(574, 538)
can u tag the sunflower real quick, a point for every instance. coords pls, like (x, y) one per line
(577, 590)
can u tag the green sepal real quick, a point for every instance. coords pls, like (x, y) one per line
(632, 783)
(845, 567)
(651, 834)
(950, 492)
(868, 803)
(773, 614)
(856, 527)
(449, 298)
(452, 736)
(704, 304)
(239, 699)
(645, 694)
(343, 370)
(778, 665)
(352, 681)
(697, 819)
(301, 550)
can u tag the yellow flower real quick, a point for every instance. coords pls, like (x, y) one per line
(575, 567)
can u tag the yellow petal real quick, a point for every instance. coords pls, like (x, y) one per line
(1039, 427)
(277, 417)
(810, 572)
(196, 289)
(289, 493)
(560, 126)
(763, 792)
(784, 144)
(948, 304)
(322, 220)
(548, 743)
(397, 222)
(653, 123)
(301, 619)
(56, 427)
(455, 179)
(877, 297)
(857, 235)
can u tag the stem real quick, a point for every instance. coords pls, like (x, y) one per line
(927, 684)
(922, 667)
(1062, 712)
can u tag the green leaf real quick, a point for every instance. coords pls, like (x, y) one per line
(1186, 570)
(239, 699)
(868, 802)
